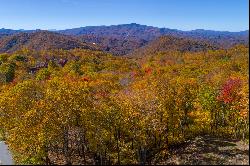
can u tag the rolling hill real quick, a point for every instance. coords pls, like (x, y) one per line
(173, 43)
(41, 40)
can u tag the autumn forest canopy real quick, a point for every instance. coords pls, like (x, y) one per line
(101, 96)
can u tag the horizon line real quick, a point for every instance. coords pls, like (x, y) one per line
(55, 29)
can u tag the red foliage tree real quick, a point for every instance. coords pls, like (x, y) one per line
(228, 92)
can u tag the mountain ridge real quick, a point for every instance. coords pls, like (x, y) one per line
(39, 40)
(3, 30)
(123, 39)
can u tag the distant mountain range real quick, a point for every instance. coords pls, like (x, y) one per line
(42, 40)
(143, 34)
(6, 32)
(143, 31)
(117, 39)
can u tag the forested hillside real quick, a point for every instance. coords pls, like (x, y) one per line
(82, 106)
(115, 45)
(173, 43)
(111, 82)
(41, 40)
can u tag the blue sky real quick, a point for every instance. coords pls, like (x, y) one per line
(230, 15)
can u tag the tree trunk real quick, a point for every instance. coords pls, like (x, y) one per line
(65, 146)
